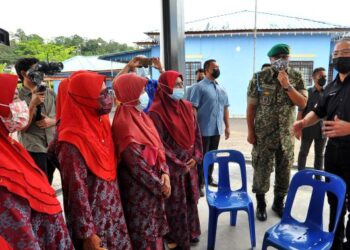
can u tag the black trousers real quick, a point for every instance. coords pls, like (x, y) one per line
(319, 144)
(43, 162)
(209, 143)
(337, 161)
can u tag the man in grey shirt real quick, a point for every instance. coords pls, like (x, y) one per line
(39, 132)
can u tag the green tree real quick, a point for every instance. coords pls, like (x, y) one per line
(7, 54)
(20, 35)
(2, 67)
(35, 37)
(59, 49)
(43, 51)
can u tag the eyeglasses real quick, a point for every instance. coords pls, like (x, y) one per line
(342, 52)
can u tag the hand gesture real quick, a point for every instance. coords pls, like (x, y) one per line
(336, 128)
(251, 137)
(37, 98)
(46, 122)
(283, 79)
(297, 128)
(92, 243)
(166, 187)
(134, 63)
(157, 64)
(227, 133)
(190, 164)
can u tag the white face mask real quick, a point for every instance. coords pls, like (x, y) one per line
(20, 116)
(144, 100)
(143, 72)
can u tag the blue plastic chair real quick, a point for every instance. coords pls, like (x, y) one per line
(292, 234)
(226, 200)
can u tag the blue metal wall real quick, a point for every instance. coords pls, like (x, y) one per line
(235, 57)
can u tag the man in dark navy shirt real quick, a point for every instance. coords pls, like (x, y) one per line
(334, 107)
(313, 133)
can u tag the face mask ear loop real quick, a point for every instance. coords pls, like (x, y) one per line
(126, 103)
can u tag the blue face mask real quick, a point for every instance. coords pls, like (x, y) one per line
(178, 94)
(144, 100)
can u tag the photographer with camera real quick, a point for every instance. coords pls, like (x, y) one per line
(36, 136)
(273, 94)
(140, 65)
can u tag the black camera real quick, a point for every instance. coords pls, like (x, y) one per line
(37, 72)
(4, 37)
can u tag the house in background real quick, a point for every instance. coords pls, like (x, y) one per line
(230, 40)
(92, 63)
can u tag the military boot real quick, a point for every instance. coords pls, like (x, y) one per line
(278, 205)
(261, 207)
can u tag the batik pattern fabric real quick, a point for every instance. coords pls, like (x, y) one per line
(143, 201)
(91, 205)
(24, 228)
(181, 207)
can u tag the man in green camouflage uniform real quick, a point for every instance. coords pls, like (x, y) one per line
(272, 96)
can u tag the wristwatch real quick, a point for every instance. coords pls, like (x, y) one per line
(288, 88)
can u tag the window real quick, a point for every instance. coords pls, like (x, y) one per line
(330, 73)
(190, 76)
(305, 68)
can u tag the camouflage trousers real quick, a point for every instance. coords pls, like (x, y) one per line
(264, 158)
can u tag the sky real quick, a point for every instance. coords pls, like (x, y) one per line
(126, 21)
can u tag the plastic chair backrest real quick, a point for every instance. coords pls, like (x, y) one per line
(223, 158)
(332, 184)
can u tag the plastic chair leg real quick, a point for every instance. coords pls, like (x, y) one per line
(213, 219)
(265, 243)
(233, 219)
(251, 224)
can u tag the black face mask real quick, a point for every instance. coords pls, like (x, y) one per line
(322, 81)
(342, 64)
(216, 73)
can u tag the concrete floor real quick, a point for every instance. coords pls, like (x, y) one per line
(238, 238)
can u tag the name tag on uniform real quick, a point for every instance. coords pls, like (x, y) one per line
(269, 86)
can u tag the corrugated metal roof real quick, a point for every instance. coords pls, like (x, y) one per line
(244, 20)
(126, 56)
(89, 63)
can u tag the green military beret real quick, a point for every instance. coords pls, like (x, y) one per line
(279, 49)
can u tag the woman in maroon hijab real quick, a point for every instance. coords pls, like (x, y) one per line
(142, 170)
(92, 203)
(30, 214)
(179, 131)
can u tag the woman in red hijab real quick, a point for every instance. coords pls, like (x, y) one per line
(87, 161)
(142, 171)
(179, 131)
(30, 214)
(4, 244)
